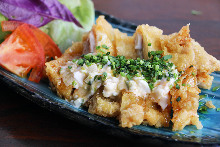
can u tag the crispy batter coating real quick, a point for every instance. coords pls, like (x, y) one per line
(53, 69)
(127, 107)
(103, 106)
(185, 101)
(155, 116)
(151, 38)
(132, 110)
(124, 45)
(186, 51)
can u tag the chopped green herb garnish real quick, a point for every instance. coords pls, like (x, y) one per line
(60, 70)
(193, 74)
(202, 96)
(188, 85)
(218, 109)
(80, 62)
(151, 69)
(183, 84)
(191, 66)
(89, 83)
(74, 83)
(104, 76)
(177, 86)
(151, 85)
(122, 74)
(98, 47)
(167, 57)
(104, 46)
(128, 76)
(201, 103)
(102, 50)
(171, 86)
(215, 88)
(192, 132)
(149, 44)
(203, 109)
(69, 67)
(178, 99)
(74, 60)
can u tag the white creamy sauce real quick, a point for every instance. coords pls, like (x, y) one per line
(82, 77)
(162, 88)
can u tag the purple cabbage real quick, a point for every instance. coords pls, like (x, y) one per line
(36, 12)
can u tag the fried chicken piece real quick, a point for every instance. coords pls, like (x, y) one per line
(53, 71)
(147, 38)
(155, 116)
(185, 101)
(132, 110)
(136, 110)
(103, 106)
(124, 45)
(186, 51)
(101, 34)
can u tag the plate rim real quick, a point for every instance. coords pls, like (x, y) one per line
(41, 100)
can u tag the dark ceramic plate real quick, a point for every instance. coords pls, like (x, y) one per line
(43, 96)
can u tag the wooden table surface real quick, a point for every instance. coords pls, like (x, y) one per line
(23, 123)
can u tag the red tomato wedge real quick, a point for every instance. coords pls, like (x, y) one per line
(21, 52)
(50, 48)
(26, 49)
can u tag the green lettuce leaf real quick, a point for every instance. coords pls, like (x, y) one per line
(64, 33)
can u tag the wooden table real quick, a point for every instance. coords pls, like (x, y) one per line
(22, 123)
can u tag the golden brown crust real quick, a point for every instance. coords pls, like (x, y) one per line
(53, 69)
(186, 51)
(185, 101)
(130, 109)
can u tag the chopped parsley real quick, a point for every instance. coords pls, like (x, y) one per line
(191, 66)
(104, 76)
(74, 83)
(178, 99)
(105, 46)
(202, 96)
(193, 74)
(149, 44)
(69, 67)
(215, 88)
(151, 69)
(203, 109)
(177, 86)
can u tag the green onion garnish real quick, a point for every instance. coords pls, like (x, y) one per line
(178, 99)
(215, 88)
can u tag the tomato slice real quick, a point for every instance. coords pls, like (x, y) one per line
(25, 49)
(21, 52)
(50, 48)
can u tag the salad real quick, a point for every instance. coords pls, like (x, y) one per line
(34, 32)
